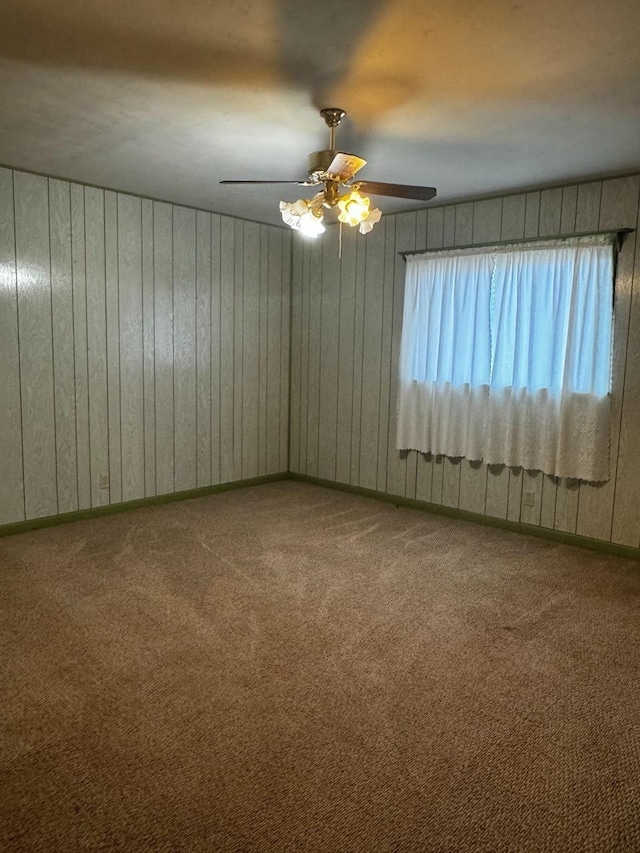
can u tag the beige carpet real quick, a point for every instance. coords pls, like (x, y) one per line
(287, 668)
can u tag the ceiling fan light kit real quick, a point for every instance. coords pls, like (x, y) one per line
(332, 169)
(335, 171)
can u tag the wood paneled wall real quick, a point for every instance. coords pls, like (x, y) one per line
(346, 326)
(144, 347)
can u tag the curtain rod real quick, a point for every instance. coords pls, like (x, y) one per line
(619, 233)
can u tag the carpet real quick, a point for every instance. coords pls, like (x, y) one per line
(289, 668)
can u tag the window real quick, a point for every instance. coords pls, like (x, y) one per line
(506, 356)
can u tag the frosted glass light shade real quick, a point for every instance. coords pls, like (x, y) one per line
(301, 216)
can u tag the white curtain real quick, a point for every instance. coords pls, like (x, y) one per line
(506, 356)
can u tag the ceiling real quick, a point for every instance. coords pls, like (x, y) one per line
(166, 98)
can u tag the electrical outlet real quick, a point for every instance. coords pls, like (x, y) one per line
(104, 481)
(529, 499)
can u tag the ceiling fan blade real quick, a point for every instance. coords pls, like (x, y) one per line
(344, 166)
(398, 190)
(299, 183)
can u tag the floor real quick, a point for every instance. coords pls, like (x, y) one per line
(289, 668)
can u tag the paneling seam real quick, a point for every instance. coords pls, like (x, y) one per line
(53, 353)
(17, 292)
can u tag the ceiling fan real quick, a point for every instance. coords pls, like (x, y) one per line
(335, 171)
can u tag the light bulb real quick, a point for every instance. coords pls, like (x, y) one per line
(310, 225)
(301, 215)
(354, 208)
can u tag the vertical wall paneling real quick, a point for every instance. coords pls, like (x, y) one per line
(11, 471)
(329, 351)
(588, 206)
(315, 342)
(370, 317)
(626, 517)
(251, 351)
(36, 343)
(144, 347)
(371, 355)
(347, 281)
(568, 209)
(601, 511)
(112, 319)
(131, 355)
(63, 345)
(140, 340)
(227, 335)
(148, 346)
(532, 214)
(304, 353)
(618, 208)
(513, 223)
(216, 336)
(550, 214)
(513, 217)
(203, 348)
(449, 226)
(274, 330)
(97, 345)
(238, 365)
(184, 346)
(358, 348)
(385, 349)
(296, 343)
(78, 265)
(163, 331)
(285, 347)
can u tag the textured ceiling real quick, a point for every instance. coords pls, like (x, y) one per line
(167, 98)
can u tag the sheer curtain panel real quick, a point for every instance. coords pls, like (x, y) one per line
(506, 356)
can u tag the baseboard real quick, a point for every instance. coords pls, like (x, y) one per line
(110, 509)
(486, 520)
(398, 500)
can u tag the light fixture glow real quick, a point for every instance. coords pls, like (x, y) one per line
(354, 208)
(304, 216)
(311, 225)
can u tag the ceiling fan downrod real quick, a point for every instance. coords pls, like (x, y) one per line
(332, 116)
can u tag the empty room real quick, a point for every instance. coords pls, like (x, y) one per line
(319, 426)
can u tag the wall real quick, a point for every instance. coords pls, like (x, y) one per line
(144, 347)
(346, 326)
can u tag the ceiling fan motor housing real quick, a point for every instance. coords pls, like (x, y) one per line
(332, 116)
(319, 162)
